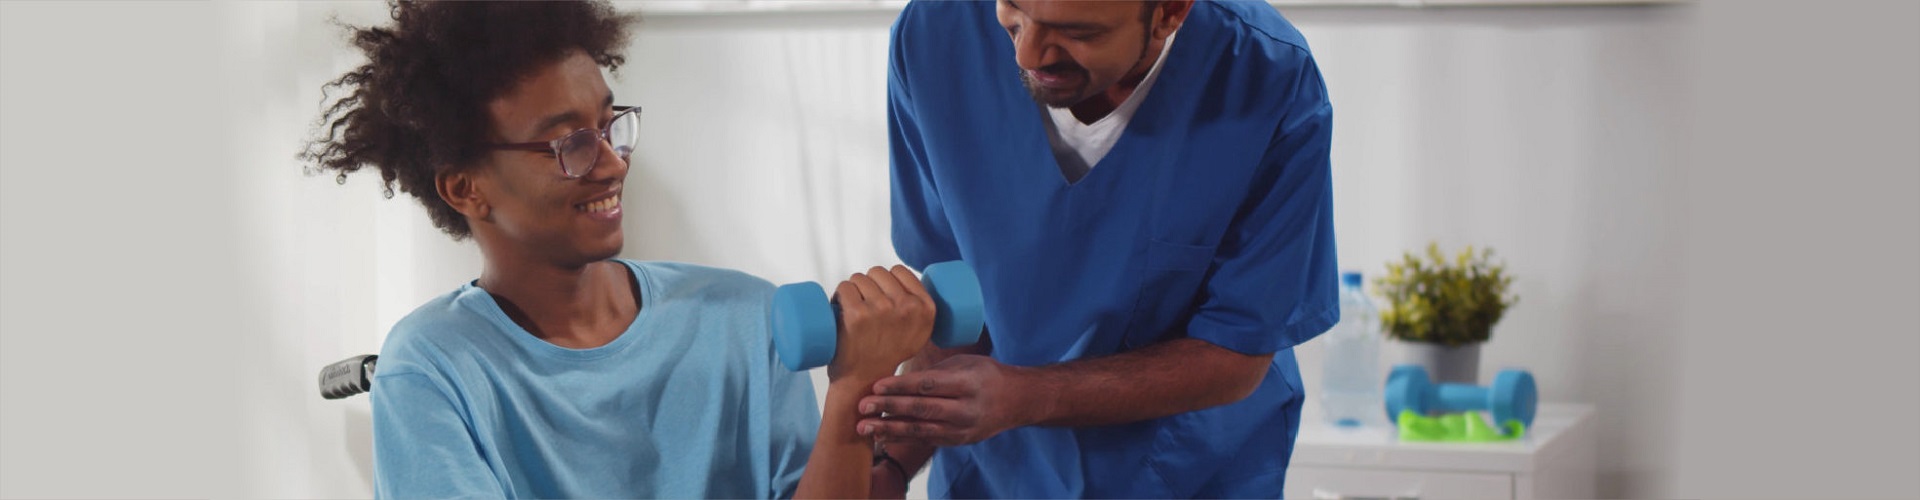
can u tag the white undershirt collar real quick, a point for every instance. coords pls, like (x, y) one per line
(1079, 146)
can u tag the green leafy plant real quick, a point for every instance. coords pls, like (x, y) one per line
(1444, 301)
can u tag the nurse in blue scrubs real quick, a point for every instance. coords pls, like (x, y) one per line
(1143, 188)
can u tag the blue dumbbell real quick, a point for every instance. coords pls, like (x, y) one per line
(1511, 397)
(805, 322)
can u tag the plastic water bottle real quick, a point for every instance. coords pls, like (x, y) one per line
(1350, 377)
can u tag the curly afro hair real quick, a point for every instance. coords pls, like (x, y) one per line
(418, 107)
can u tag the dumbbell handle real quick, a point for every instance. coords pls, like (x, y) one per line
(1460, 397)
(947, 322)
(936, 340)
(804, 319)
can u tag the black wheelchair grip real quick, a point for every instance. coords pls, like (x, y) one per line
(347, 377)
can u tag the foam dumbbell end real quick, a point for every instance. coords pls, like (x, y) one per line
(1512, 396)
(805, 323)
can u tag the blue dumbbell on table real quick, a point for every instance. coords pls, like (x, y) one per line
(1511, 397)
(805, 323)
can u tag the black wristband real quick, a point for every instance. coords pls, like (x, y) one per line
(880, 455)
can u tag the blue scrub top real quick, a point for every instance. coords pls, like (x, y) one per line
(1211, 218)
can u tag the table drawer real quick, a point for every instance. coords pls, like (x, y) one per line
(1310, 482)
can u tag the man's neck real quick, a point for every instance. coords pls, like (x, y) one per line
(575, 307)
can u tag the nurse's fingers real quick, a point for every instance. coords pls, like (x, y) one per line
(935, 433)
(933, 382)
(917, 407)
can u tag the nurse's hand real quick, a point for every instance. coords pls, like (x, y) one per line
(963, 400)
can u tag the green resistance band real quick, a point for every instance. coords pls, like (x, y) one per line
(1465, 427)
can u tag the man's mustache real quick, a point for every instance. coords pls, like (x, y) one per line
(1063, 68)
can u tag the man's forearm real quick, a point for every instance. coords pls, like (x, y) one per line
(839, 465)
(912, 455)
(1166, 378)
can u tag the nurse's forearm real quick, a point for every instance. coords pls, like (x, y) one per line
(1161, 379)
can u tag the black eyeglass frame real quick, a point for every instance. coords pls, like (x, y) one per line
(605, 135)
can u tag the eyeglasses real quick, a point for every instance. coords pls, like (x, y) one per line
(580, 151)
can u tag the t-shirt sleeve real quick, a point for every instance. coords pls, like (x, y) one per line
(422, 448)
(794, 420)
(1275, 285)
(922, 234)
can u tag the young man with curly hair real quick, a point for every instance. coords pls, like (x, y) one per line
(563, 371)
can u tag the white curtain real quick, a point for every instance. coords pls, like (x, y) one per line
(763, 144)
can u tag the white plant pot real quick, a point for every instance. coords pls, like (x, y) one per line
(1456, 365)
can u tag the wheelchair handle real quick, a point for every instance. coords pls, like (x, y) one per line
(347, 377)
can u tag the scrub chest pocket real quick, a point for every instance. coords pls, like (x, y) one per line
(1170, 278)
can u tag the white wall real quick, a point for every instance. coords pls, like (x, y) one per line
(173, 281)
(114, 283)
(1802, 258)
(1713, 211)
(1549, 135)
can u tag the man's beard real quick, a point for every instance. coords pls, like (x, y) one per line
(1039, 93)
(1069, 68)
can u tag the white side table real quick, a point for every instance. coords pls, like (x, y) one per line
(1554, 460)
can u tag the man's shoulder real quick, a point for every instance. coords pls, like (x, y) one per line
(681, 280)
(711, 305)
(1271, 67)
(1258, 19)
(919, 11)
(942, 25)
(435, 328)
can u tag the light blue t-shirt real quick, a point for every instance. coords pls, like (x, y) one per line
(688, 402)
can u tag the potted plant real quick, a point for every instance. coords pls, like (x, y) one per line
(1442, 309)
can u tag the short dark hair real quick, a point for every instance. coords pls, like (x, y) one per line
(418, 107)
